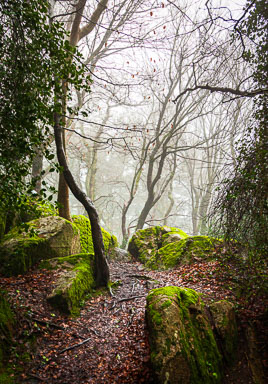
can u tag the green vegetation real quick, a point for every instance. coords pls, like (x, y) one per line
(145, 242)
(183, 251)
(181, 339)
(46, 238)
(76, 279)
(83, 223)
(33, 54)
(241, 208)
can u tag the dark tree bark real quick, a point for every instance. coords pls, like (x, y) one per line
(101, 267)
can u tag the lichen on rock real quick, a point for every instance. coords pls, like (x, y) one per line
(145, 242)
(183, 347)
(53, 237)
(75, 279)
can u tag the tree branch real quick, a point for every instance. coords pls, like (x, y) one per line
(237, 92)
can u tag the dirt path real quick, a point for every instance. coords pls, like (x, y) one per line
(108, 343)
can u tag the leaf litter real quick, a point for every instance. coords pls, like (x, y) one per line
(108, 342)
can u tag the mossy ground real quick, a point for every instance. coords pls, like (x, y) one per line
(181, 339)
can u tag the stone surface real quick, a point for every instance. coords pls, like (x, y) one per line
(53, 237)
(145, 242)
(224, 320)
(182, 344)
(75, 279)
(120, 255)
(83, 223)
(183, 251)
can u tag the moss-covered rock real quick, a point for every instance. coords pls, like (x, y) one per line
(53, 237)
(182, 344)
(83, 223)
(30, 208)
(224, 320)
(7, 324)
(183, 251)
(145, 242)
(75, 279)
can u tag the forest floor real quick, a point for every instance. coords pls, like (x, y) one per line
(108, 342)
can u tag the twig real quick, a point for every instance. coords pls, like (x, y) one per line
(125, 299)
(75, 345)
(141, 277)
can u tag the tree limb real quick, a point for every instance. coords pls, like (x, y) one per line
(238, 92)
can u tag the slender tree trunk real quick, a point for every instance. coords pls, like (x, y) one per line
(145, 211)
(101, 269)
(37, 169)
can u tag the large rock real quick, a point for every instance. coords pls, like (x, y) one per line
(183, 251)
(183, 347)
(53, 237)
(224, 321)
(145, 242)
(83, 223)
(75, 278)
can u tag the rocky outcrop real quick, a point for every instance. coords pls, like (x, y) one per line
(75, 278)
(184, 251)
(83, 223)
(182, 343)
(47, 237)
(225, 328)
(145, 242)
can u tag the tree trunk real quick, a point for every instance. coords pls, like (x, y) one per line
(37, 169)
(101, 269)
(145, 211)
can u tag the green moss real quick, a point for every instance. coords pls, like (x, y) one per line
(146, 242)
(83, 223)
(75, 281)
(182, 343)
(225, 323)
(46, 238)
(183, 251)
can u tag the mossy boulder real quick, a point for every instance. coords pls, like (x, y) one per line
(183, 251)
(30, 208)
(145, 242)
(53, 237)
(182, 344)
(224, 321)
(7, 326)
(83, 223)
(75, 279)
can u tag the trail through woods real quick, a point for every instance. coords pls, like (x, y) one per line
(108, 342)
